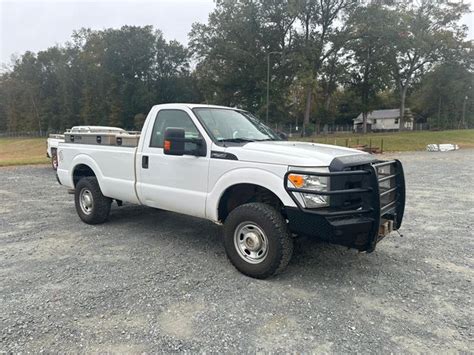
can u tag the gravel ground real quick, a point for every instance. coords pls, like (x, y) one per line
(152, 280)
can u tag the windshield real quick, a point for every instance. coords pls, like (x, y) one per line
(226, 125)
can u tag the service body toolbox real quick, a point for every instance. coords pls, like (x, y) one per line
(122, 139)
(127, 140)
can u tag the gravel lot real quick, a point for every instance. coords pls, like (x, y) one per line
(152, 280)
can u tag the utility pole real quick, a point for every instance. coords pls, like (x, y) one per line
(463, 117)
(268, 82)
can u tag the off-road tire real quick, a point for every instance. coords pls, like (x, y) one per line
(272, 223)
(100, 209)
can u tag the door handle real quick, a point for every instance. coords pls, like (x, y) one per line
(145, 161)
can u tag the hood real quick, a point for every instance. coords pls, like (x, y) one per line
(290, 153)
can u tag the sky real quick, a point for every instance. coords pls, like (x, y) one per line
(38, 24)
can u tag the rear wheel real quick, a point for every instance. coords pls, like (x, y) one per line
(257, 240)
(91, 205)
(54, 158)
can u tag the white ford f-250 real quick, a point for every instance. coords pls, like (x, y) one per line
(224, 165)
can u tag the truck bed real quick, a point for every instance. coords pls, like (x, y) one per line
(116, 172)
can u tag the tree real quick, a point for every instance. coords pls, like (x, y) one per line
(333, 75)
(232, 48)
(444, 97)
(24, 82)
(421, 33)
(367, 52)
(323, 33)
(331, 59)
(101, 77)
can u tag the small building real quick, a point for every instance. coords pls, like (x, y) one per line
(384, 120)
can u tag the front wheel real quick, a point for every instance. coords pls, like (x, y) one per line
(91, 206)
(257, 240)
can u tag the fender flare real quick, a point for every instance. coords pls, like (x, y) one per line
(259, 177)
(84, 159)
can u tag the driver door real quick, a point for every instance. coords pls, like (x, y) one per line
(173, 183)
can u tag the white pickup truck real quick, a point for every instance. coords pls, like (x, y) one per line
(224, 165)
(53, 140)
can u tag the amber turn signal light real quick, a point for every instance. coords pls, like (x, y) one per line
(296, 180)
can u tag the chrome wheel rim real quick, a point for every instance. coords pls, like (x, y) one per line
(251, 242)
(86, 201)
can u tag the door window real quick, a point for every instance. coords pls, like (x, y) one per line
(175, 119)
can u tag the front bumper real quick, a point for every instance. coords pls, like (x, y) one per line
(365, 199)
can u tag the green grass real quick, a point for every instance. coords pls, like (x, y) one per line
(397, 141)
(22, 151)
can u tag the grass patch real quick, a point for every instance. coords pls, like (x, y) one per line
(22, 151)
(397, 141)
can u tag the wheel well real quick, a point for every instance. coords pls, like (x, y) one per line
(240, 194)
(81, 171)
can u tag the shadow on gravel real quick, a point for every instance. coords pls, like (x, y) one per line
(312, 258)
(147, 219)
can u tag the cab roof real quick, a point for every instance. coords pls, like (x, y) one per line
(191, 106)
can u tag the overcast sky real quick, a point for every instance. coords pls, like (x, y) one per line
(38, 24)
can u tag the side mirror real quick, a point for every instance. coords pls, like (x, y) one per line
(174, 143)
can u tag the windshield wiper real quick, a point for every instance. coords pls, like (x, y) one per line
(236, 140)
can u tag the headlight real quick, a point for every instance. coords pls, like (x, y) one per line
(310, 182)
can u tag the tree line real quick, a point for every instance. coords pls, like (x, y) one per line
(325, 61)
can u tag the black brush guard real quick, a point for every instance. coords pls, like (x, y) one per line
(362, 198)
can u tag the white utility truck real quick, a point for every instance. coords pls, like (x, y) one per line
(53, 140)
(224, 165)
